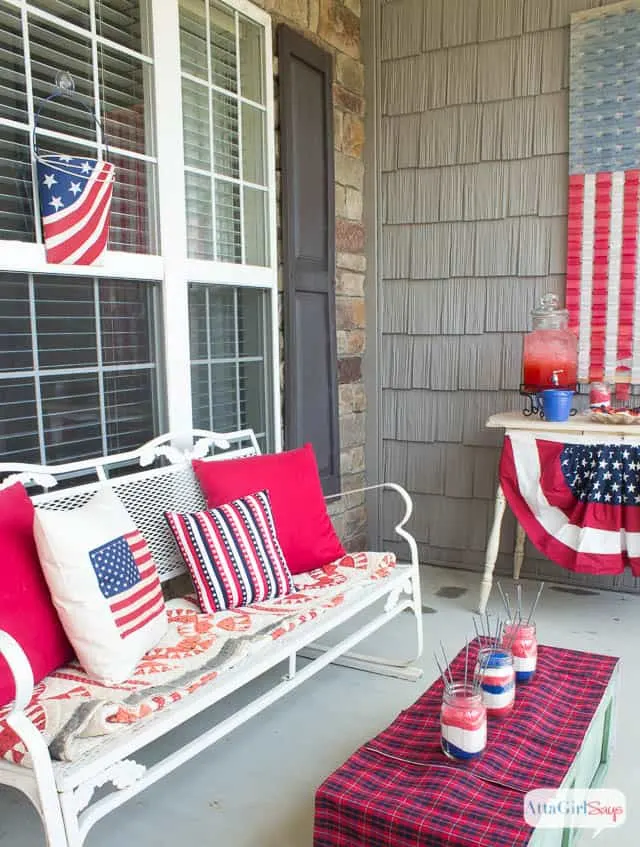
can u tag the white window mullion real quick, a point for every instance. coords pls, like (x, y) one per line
(272, 240)
(36, 368)
(171, 195)
(96, 77)
(240, 141)
(212, 167)
(236, 353)
(207, 316)
(101, 398)
(31, 114)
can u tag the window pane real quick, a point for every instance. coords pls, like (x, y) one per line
(13, 98)
(223, 387)
(18, 427)
(228, 234)
(252, 395)
(125, 91)
(200, 397)
(133, 225)
(226, 153)
(212, 321)
(255, 226)
(74, 11)
(16, 198)
(48, 43)
(195, 122)
(193, 39)
(199, 217)
(129, 409)
(119, 21)
(223, 48)
(228, 357)
(251, 61)
(71, 413)
(125, 322)
(250, 322)
(98, 378)
(122, 102)
(15, 324)
(65, 322)
(253, 145)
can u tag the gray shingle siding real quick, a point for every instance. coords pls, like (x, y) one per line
(473, 161)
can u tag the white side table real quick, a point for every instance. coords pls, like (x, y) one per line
(516, 421)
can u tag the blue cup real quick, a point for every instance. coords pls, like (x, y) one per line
(556, 404)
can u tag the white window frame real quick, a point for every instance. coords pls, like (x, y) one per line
(173, 268)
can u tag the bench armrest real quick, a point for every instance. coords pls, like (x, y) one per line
(408, 504)
(20, 668)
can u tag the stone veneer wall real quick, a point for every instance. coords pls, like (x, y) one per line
(335, 27)
(473, 164)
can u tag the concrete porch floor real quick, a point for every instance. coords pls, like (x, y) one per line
(256, 787)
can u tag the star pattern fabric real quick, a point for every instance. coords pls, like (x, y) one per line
(115, 567)
(603, 473)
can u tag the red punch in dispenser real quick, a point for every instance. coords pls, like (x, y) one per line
(550, 354)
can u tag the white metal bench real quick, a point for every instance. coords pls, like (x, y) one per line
(63, 792)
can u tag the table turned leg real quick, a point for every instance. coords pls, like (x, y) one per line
(518, 553)
(492, 550)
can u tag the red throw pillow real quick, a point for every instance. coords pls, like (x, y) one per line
(26, 609)
(304, 528)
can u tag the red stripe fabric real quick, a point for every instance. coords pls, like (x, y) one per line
(233, 553)
(55, 225)
(601, 231)
(576, 558)
(628, 264)
(75, 241)
(574, 247)
(140, 624)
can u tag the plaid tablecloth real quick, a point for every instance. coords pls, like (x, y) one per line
(399, 790)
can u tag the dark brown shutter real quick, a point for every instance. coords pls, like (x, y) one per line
(308, 234)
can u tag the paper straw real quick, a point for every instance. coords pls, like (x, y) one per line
(466, 661)
(446, 661)
(442, 673)
(505, 602)
(535, 603)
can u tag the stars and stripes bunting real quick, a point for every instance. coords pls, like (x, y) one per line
(75, 205)
(128, 579)
(578, 502)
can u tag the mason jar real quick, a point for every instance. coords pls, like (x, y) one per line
(497, 678)
(521, 640)
(463, 722)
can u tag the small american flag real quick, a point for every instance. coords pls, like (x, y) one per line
(128, 579)
(75, 204)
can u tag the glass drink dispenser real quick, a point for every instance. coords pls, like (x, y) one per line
(550, 354)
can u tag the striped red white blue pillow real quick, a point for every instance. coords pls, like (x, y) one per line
(233, 553)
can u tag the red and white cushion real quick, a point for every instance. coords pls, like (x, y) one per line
(233, 553)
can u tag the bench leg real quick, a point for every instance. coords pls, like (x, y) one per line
(492, 550)
(70, 814)
(362, 662)
(400, 669)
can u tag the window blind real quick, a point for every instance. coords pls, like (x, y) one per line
(79, 368)
(229, 381)
(224, 129)
(124, 79)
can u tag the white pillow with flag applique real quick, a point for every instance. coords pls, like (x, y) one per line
(104, 584)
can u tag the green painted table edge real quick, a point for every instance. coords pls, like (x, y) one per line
(596, 750)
